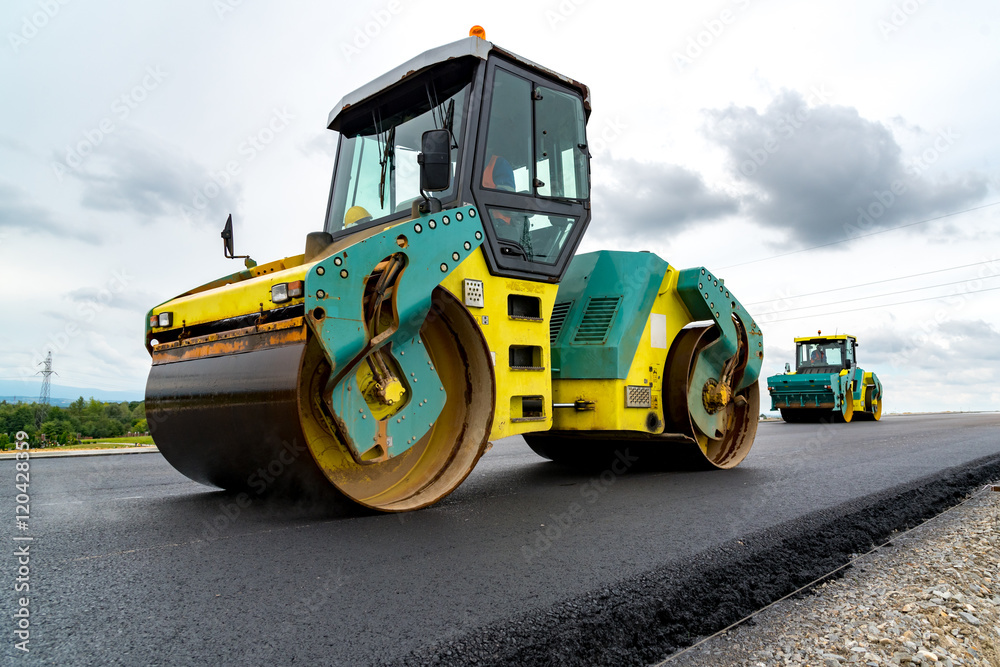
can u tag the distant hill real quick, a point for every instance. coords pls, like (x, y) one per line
(60, 402)
(13, 391)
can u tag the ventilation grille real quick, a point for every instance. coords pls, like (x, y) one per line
(638, 396)
(558, 318)
(597, 320)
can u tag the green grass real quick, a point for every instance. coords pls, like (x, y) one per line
(107, 443)
(141, 439)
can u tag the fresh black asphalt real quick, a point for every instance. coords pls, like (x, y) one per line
(526, 563)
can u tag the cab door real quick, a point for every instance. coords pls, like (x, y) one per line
(531, 173)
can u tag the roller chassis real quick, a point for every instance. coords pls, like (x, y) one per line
(395, 350)
(841, 392)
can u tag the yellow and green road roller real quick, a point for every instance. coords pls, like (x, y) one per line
(443, 307)
(827, 383)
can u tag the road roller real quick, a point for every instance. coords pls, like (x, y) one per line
(443, 307)
(827, 383)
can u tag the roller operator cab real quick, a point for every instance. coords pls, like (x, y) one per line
(827, 383)
(442, 307)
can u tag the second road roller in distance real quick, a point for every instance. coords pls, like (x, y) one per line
(442, 307)
(827, 383)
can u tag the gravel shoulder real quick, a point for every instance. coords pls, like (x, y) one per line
(931, 598)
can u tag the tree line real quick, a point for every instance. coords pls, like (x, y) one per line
(64, 426)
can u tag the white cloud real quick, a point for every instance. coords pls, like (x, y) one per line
(137, 173)
(823, 173)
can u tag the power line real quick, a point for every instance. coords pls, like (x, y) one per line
(874, 282)
(884, 305)
(861, 236)
(876, 296)
(76, 375)
(117, 383)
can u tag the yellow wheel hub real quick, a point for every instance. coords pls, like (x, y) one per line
(716, 396)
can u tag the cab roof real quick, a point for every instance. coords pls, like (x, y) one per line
(469, 47)
(808, 339)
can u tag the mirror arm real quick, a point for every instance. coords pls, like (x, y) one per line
(429, 204)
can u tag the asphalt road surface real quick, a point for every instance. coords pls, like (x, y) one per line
(527, 562)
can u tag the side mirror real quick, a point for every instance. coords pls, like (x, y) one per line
(435, 160)
(227, 244)
(788, 368)
(227, 238)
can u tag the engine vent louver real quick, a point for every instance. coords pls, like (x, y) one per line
(597, 320)
(558, 318)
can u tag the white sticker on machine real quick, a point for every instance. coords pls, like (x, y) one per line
(658, 331)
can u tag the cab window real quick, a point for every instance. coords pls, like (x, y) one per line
(814, 355)
(507, 160)
(534, 236)
(560, 151)
(377, 174)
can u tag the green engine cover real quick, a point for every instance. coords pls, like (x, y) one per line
(604, 300)
(603, 304)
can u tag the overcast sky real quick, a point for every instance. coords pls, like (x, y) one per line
(791, 147)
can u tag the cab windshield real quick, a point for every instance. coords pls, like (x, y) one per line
(377, 174)
(820, 355)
